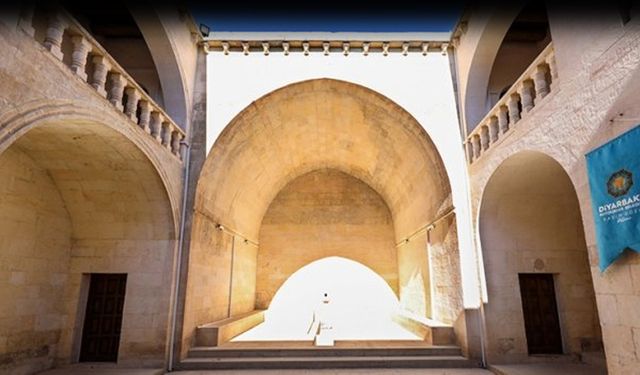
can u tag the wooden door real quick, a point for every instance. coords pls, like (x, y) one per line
(103, 318)
(540, 309)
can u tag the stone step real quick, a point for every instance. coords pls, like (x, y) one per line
(406, 351)
(314, 362)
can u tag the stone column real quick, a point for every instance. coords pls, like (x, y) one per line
(81, 48)
(175, 143)
(156, 125)
(551, 62)
(145, 115)
(131, 106)
(55, 32)
(494, 130)
(469, 148)
(484, 137)
(514, 111)
(477, 150)
(100, 70)
(526, 96)
(118, 83)
(184, 148)
(503, 119)
(540, 82)
(166, 135)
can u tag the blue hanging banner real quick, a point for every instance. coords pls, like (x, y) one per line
(614, 181)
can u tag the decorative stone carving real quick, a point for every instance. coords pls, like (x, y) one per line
(345, 49)
(81, 48)
(54, 34)
(118, 83)
(100, 70)
(325, 48)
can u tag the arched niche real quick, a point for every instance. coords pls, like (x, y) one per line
(531, 227)
(313, 125)
(80, 198)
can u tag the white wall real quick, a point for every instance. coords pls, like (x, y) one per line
(422, 85)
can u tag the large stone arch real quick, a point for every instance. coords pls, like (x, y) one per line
(19, 120)
(303, 127)
(81, 197)
(174, 52)
(478, 52)
(530, 223)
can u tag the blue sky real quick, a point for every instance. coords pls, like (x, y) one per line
(329, 17)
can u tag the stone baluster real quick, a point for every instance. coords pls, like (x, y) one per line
(484, 137)
(175, 143)
(477, 148)
(540, 82)
(81, 49)
(526, 95)
(54, 34)
(145, 116)
(100, 70)
(494, 130)
(551, 62)
(156, 125)
(503, 119)
(26, 19)
(118, 83)
(165, 138)
(184, 148)
(469, 148)
(131, 106)
(514, 111)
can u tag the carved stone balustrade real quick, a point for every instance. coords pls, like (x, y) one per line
(93, 64)
(527, 92)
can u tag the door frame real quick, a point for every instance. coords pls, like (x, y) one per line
(558, 303)
(81, 314)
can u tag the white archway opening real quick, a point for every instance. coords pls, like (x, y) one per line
(361, 305)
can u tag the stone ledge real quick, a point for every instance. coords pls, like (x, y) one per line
(432, 332)
(221, 331)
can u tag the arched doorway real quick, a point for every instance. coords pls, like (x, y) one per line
(540, 293)
(80, 201)
(302, 141)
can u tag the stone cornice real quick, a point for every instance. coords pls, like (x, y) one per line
(327, 43)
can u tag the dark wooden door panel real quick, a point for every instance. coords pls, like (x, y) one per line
(103, 318)
(541, 321)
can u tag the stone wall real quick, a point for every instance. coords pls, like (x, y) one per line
(209, 296)
(321, 214)
(119, 188)
(414, 276)
(597, 59)
(444, 256)
(34, 257)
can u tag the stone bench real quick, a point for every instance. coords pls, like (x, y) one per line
(432, 332)
(221, 331)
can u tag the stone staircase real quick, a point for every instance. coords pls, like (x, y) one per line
(303, 355)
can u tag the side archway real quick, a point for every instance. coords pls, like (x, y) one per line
(82, 199)
(540, 293)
